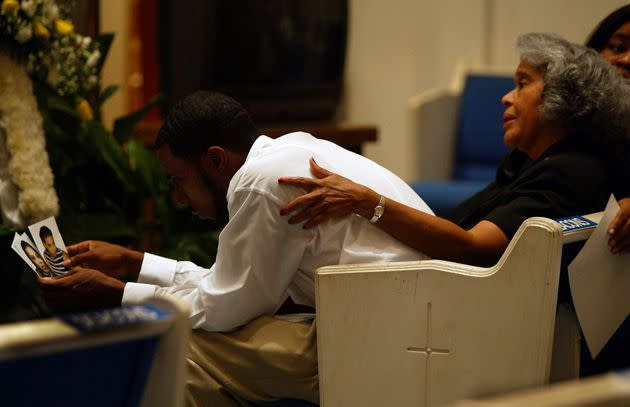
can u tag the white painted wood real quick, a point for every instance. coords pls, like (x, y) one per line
(167, 377)
(610, 390)
(433, 118)
(565, 359)
(432, 332)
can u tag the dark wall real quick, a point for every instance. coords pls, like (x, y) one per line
(283, 59)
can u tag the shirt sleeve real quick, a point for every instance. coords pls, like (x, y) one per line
(257, 257)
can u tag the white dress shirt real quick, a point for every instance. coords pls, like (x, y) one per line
(261, 259)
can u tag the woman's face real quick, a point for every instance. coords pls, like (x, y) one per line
(522, 121)
(36, 259)
(617, 50)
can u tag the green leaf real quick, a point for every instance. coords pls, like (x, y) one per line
(123, 127)
(106, 94)
(148, 167)
(105, 146)
(102, 98)
(199, 248)
(60, 104)
(98, 226)
(54, 133)
(5, 230)
(104, 44)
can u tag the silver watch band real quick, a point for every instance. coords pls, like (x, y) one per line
(379, 210)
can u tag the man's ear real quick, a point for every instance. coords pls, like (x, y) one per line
(215, 159)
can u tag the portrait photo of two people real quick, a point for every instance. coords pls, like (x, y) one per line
(45, 252)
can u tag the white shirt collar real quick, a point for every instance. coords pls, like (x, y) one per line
(259, 145)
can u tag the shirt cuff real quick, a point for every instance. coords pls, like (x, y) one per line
(157, 270)
(135, 293)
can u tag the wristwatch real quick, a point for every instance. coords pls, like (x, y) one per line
(379, 210)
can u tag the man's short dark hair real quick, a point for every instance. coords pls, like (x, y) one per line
(44, 232)
(204, 119)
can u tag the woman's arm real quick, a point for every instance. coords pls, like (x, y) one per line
(331, 195)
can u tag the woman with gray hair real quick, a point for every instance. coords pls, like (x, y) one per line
(567, 104)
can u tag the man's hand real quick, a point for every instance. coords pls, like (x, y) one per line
(327, 196)
(80, 289)
(619, 229)
(113, 260)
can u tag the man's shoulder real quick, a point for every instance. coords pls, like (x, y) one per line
(287, 155)
(279, 158)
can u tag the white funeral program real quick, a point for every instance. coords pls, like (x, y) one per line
(600, 285)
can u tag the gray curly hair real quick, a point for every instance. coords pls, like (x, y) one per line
(582, 89)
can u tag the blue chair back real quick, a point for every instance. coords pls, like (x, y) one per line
(98, 358)
(480, 144)
(107, 375)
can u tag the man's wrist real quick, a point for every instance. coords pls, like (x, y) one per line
(119, 292)
(114, 295)
(134, 260)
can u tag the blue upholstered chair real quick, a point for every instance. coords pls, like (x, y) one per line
(131, 356)
(460, 135)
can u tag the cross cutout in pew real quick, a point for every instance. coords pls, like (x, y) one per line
(428, 351)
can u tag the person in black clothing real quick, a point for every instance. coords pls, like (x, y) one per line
(567, 103)
(568, 110)
(611, 38)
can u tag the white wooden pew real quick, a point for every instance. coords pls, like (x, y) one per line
(431, 332)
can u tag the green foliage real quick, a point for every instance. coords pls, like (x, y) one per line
(104, 44)
(112, 187)
(193, 247)
(102, 98)
(5, 230)
(100, 144)
(123, 127)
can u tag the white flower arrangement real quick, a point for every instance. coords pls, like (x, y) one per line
(38, 27)
(28, 165)
(42, 43)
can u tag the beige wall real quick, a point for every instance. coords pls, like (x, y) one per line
(400, 47)
(397, 48)
(114, 18)
(572, 19)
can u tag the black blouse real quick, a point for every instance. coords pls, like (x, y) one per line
(566, 180)
(618, 160)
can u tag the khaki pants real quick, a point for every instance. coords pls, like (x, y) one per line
(265, 360)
